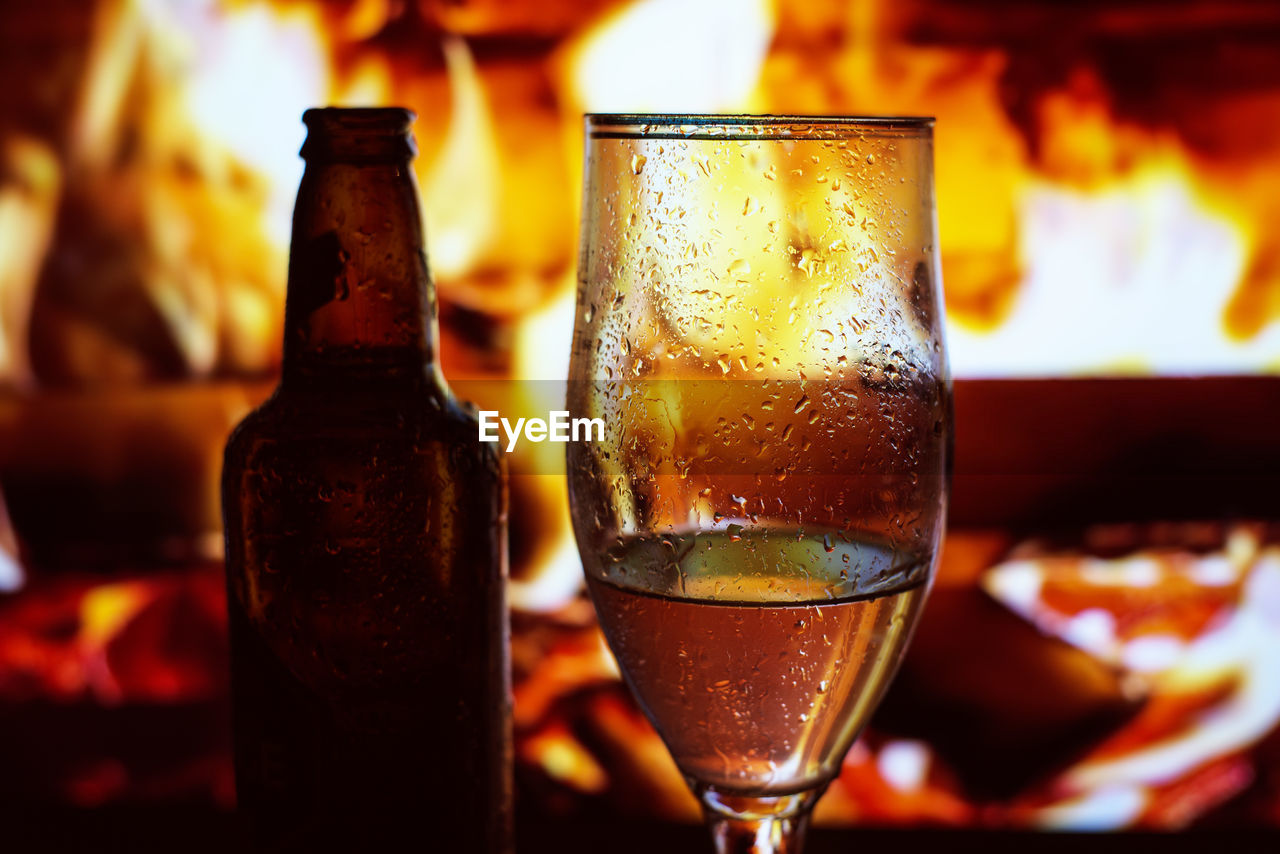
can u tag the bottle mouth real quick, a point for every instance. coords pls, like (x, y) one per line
(359, 119)
(359, 134)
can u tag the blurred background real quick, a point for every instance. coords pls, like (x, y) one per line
(1101, 648)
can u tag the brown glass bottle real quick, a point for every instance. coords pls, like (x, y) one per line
(365, 528)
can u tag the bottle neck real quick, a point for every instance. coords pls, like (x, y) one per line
(360, 299)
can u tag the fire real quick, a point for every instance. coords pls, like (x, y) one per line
(241, 94)
(672, 56)
(540, 358)
(461, 188)
(107, 608)
(1036, 203)
(1119, 242)
(145, 199)
(12, 576)
(135, 640)
(1077, 237)
(1200, 634)
(143, 239)
(565, 760)
(27, 209)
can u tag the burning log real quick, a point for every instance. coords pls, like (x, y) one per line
(115, 691)
(1202, 633)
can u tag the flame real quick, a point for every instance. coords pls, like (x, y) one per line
(261, 68)
(672, 56)
(1110, 272)
(460, 188)
(28, 206)
(167, 208)
(364, 19)
(894, 782)
(554, 578)
(120, 29)
(1074, 240)
(104, 611)
(1078, 238)
(540, 362)
(12, 576)
(1128, 257)
(564, 758)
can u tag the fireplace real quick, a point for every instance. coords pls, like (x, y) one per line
(1094, 656)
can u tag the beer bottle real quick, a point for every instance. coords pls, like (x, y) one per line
(365, 532)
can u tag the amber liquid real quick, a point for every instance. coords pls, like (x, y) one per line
(756, 678)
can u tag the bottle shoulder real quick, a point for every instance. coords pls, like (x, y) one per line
(332, 418)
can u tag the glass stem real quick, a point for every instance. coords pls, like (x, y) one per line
(769, 825)
(758, 835)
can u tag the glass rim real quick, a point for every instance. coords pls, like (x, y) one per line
(747, 126)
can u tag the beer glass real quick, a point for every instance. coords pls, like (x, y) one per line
(759, 326)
